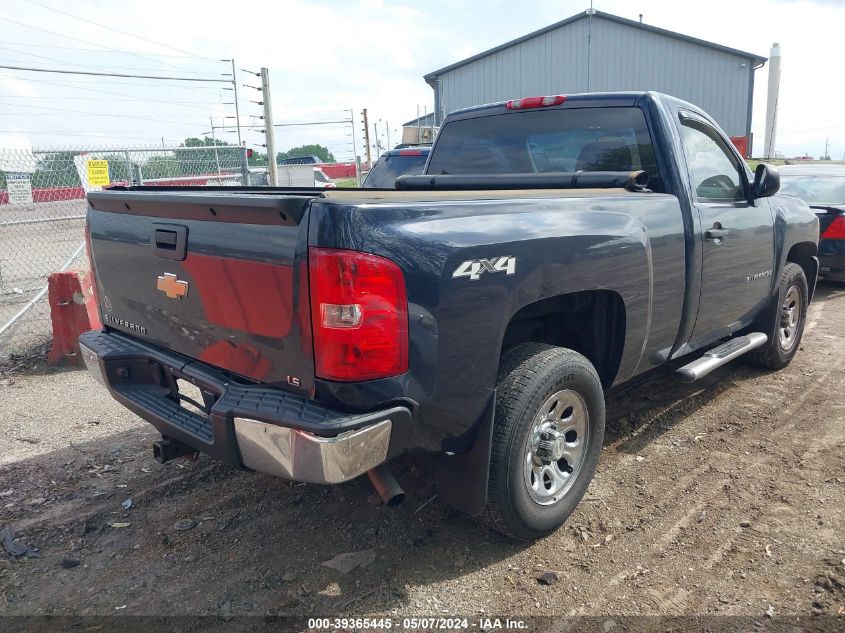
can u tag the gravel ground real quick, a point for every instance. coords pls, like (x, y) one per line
(725, 497)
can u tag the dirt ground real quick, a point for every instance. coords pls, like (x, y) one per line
(722, 497)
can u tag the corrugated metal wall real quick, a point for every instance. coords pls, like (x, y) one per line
(621, 58)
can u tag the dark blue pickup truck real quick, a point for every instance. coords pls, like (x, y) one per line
(555, 247)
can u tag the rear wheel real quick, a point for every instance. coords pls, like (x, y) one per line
(547, 439)
(785, 338)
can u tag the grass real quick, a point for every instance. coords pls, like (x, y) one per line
(777, 162)
(346, 183)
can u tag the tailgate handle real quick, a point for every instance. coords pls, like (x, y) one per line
(166, 239)
(170, 241)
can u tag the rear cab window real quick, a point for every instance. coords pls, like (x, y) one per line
(543, 141)
(389, 167)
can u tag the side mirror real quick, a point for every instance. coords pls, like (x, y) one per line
(766, 181)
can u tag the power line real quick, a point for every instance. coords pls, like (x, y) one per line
(346, 122)
(818, 129)
(68, 82)
(96, 50)
(52, 59)
(109, 92)
(117, 116)
(132, 99)
(95, 74)
(85, 134)
(89, 66)
(104, 26)
(76, 39)
(96, 114)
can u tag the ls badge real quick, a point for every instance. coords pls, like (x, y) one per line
(473, 268)
(170, 285)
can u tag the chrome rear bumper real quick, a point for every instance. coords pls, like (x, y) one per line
(302, 456)
(252, 426)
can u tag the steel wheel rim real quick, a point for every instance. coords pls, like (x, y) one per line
(790, 318)
(555, 447)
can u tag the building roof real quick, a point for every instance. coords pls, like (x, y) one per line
(424, 121)
(599, 14)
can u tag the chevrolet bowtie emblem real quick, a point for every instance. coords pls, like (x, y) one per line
(170, 285)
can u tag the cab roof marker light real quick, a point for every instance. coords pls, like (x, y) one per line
(535, 102)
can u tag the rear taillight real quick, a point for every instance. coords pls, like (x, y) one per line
(410, 152)
(359, 313)
(535, 102)
(835, 230)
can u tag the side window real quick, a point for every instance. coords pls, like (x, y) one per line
(713, 169)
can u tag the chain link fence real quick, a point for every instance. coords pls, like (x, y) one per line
(42, 215)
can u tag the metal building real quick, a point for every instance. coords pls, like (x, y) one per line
(594, 52)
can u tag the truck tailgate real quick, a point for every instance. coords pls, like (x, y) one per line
(220, 277)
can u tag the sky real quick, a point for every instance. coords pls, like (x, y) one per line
(330, 59)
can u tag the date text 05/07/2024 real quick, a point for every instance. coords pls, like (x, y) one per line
(418, 623)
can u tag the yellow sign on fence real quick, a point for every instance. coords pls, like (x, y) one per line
(98, 173)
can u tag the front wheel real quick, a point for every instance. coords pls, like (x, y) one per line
(547, 439)
(785, 337)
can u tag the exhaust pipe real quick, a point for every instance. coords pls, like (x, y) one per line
(386, 486)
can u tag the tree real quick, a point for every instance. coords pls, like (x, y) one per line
(320, 151)
(57, 169)
(161, 167)
(193, 141)
(203, 161)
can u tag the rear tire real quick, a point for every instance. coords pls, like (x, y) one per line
(547, 439)
(785, 336)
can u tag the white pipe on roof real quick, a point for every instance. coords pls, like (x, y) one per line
(772, 101)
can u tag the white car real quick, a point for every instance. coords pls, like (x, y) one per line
(292, 176)
(322, 181)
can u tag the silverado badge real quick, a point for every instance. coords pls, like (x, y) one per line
(170, 285)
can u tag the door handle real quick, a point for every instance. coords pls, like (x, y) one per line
(716, 233)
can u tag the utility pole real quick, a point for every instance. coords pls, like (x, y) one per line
(272, 168)
(387, 125)
(367, 139)
(237, 112)
(378, 143)
(355, 157)
(826, 148)
(214, 139)
(590, 13)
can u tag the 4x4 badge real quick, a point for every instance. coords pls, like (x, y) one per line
(172, 286)
(473, 268)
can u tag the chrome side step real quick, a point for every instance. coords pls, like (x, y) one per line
(720, 355)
